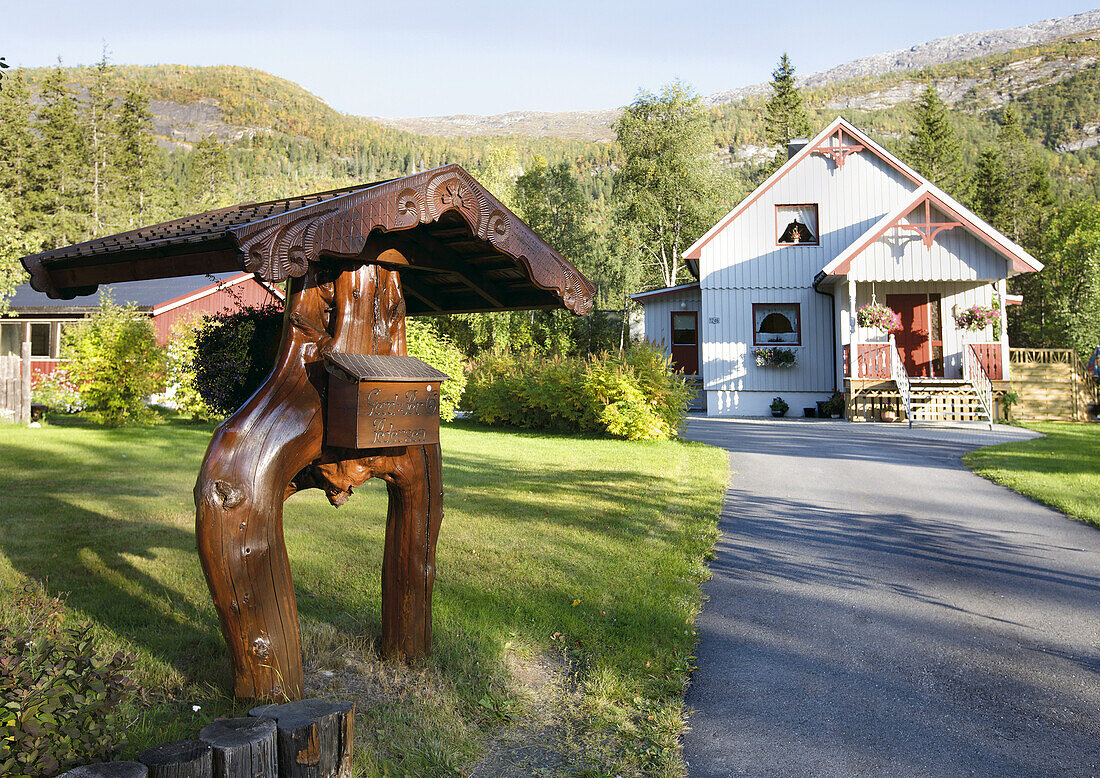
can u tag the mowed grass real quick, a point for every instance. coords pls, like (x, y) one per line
(1061, 470)
(588, 550)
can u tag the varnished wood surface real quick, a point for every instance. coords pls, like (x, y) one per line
(274, 446)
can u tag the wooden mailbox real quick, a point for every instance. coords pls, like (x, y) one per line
(376, 401)
(355, 262)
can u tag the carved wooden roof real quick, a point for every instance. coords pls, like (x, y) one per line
(464, 250)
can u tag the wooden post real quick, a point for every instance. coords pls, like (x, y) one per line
(853, 334)
(179, 759)
(274, 446)
(25, 399)
(242, 748)
(1002, 293)
(315, 737)
(108, 770)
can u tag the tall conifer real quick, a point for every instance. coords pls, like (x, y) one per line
(61, 193)
(933, 148)
(784, 112)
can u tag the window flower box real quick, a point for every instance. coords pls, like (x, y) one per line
(775, 357)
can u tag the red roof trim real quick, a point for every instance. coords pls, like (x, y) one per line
(922, 196)
(198, 294)
(839, 123)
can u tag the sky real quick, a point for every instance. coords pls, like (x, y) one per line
(412, 58)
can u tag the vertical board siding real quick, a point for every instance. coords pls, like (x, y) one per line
(955, 255)
(658, 317)
(728, 360)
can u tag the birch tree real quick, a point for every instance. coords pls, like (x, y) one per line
(669, 190)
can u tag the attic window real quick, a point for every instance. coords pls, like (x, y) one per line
(776, 323)
(796, 225)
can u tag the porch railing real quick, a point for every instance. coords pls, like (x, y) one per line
(873, 360)
(975, 374)
(989, 357)
(901, 378)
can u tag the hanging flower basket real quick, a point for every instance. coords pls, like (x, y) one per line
(977, 317)
(878, 317)
(775, 357)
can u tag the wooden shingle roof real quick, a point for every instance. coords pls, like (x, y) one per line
(461, 250)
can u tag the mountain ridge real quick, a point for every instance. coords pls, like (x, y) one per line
(596, 125)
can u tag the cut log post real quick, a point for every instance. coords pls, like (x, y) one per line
(108, 770)
(179, 759)
(242, 748)
(274, 445)
(25, 393)
(315, 737)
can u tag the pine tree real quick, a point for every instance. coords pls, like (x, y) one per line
(933, 148)
(60, 191)
(19, 147)
(209, 175)
(136, 161)
(784, 113)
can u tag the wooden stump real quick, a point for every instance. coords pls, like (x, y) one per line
(315, 737)
(242, 748)
(108, 770)
(180, 759)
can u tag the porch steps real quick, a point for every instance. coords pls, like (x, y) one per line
(945, 400)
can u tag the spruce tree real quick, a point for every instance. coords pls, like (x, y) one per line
(209, 174)
(60, 191)
(19, 147)
(784, 113)
(100, 139)
(136, 160)
(933, 148)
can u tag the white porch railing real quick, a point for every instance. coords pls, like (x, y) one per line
(901, 378)
(975, 374)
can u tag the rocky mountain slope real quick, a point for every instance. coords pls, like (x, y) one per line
(861, 81)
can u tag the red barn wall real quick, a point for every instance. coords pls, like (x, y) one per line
(243, 294)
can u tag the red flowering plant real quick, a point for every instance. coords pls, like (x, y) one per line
(58, 391)
(977, 317)
(880, 317)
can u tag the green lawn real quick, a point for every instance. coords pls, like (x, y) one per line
(1061, 470)
(577, 553)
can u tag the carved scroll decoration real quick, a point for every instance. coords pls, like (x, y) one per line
(281, 246)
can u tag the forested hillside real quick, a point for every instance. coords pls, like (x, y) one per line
(93, 150)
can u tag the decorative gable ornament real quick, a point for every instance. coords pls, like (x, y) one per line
(835, 148)
(928, 229)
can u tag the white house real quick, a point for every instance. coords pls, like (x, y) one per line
(841, 223)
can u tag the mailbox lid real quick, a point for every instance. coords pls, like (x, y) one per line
(382, 367)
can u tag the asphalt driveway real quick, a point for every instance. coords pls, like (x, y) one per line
(877, 610)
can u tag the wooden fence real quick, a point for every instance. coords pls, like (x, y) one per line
(1052, 385)
(15, 387)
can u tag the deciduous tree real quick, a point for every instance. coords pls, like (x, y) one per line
(669, 189)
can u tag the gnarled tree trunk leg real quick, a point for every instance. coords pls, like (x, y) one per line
(415, 485)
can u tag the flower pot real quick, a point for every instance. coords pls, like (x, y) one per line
(809, 413)
(889, 416)
(777, 414)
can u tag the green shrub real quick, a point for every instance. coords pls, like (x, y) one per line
(234, 353)
(115, 362)
(60, 701)
(440, 352)
(180, 369)
(633, 394)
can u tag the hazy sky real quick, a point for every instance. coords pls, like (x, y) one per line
(409, 58)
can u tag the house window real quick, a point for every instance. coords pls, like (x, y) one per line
(10, 337)
(684, 329)
(776, 323)
(40, 340)
(796, 225)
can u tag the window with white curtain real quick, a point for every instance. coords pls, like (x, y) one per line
(796, 224)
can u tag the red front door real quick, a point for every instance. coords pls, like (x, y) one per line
(685, 342)
(914, 337)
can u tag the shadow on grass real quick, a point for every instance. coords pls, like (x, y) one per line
(139, 575)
